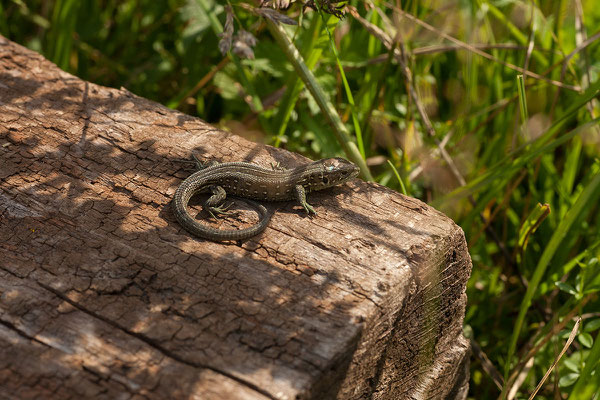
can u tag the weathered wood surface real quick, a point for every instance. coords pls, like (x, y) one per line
(104, 295)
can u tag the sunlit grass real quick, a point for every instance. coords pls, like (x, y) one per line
(429, 97)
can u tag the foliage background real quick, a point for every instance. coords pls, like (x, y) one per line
(516, 165)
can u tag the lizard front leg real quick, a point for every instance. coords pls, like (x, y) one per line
(201, 165)
(301, 197)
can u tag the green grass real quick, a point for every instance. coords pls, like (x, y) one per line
(486, 109)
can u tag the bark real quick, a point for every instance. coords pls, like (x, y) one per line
(104, 295)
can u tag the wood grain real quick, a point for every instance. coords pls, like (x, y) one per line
(104, 295)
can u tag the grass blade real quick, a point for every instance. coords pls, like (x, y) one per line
(522, 104)
(294, 83)
(398, 177)
(357, 129)
(584, 204)
(325, 105)
(512, 163)
(60, 36)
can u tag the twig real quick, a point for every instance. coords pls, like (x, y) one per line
(557, 359)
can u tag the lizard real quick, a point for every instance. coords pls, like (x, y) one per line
(250, 181)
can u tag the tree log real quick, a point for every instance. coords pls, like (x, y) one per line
(104, 295)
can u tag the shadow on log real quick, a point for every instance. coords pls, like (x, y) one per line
(104, 295)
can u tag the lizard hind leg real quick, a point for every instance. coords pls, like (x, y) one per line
(215, 203)
(277, 167)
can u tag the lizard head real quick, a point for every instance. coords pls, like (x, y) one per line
(332, 172)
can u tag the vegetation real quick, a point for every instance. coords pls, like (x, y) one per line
(487, 109)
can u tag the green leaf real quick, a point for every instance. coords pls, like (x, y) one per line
(567, 267)
(592, 274)
(564, 333)
(572, 365)
(587, 385)
(568, 379)
(586, 339)
(592, 325)
(565, 287)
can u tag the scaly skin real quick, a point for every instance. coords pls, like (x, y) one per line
(250, 181)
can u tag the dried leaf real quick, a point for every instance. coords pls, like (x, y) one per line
(275, 16)
(328, 7)
(373, 29)
(243, 44)
(277, 4)
(227, 35)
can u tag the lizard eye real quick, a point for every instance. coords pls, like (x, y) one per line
(326, 181)
(329, 168)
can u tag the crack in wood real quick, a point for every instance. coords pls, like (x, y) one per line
(155, 345)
